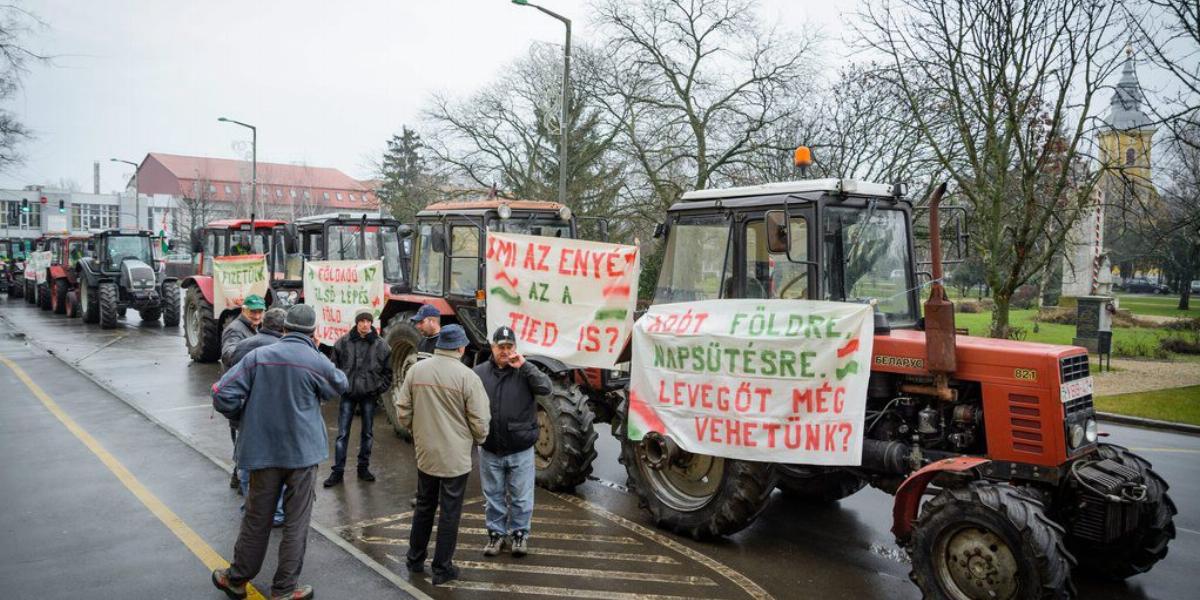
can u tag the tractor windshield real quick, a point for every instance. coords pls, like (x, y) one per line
(3, 250)
(696, 263)
(381, 242)
(867, 258)
(532, 225)
(243, 242)
(121, 247)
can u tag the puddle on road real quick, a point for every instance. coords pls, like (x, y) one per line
(891, 552)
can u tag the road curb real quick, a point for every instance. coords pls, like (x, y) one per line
(1149, 423)
(323, 531)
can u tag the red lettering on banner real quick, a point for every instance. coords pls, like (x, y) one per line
(818, 400)
(337, 275)
(535, 257)
(535, 331)
(502, 251)
(331, 313)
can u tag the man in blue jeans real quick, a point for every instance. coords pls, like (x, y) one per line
(506, 467)
(366, 360)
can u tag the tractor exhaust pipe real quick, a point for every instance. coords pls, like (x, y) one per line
(939, 311)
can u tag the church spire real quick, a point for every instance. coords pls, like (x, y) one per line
(1126, 106)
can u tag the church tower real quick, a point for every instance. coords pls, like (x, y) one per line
(1125, 141)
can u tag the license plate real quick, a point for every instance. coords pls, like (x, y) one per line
(1076, 389)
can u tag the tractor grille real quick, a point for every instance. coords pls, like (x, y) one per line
(1073, 367)
(1025, 420)
(1077, 405)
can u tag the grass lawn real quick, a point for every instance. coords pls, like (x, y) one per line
(1163, 306)
(1125, 339)
(1179, 405)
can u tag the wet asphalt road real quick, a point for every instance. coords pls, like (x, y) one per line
(593, 544)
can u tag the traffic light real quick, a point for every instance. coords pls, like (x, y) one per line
(24, 205)
(62, 206)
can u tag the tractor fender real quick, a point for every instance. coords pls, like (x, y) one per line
(908, 496)
(57, 272)
(204, 282)
(548, 364)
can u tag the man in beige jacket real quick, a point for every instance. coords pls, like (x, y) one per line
(443, 403)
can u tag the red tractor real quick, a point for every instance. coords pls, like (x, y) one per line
(1001, 435)
(232, 237)
(60, 293)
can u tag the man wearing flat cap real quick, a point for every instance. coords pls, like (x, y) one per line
(444, 405)
(428, 322)
(366, 360)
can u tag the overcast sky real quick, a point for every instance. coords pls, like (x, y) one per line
(326, 83)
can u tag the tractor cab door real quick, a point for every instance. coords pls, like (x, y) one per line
(78, 249)
(55, 246)
(429, 258)
(783, 273)
(215, 244)
(465, 248)
(288, 265)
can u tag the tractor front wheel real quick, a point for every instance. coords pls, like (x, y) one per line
(402, 338)
(696, 495)
(43, 296)
(58, 301)
(30, 292)
(201, 331)
(1137, 551)
(989, 540)
(566, 444)
(108, 304)
(72, 304)
(170, 304)
(90, 299)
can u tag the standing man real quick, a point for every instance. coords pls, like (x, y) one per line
(506, 468)
(241, 328)
(269, 332)
(443, 403)
(366, 360)
(276, 392)
(428, 322)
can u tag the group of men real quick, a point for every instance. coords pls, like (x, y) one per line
(275, 379)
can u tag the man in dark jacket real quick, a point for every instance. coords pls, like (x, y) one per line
(269, 332)
(242, 328)
(366, 360)
(276, 391)
(428, 322)
(506, 468)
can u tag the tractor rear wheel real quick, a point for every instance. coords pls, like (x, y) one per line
(989, 540)
(58, 300)
(699, 496)
(108, 304)
(43, 296)
(16, 289)
(72, 304)
(201, 331)
(402, 338)
(566, 444)
(1137, 551)
(30, 292)
(89, 299)
(170, 304)
(815, 485)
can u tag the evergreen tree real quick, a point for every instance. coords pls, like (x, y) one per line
(407, 185)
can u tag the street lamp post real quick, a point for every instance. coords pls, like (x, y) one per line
(253, 162)
(137, 197)
(566, 100)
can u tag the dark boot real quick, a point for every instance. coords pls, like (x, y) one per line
(335, 478)
(234, 484)
(220, 579)
(365, 474)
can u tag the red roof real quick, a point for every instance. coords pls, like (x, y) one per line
(226, 170)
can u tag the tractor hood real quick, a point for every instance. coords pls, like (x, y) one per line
(137, 276)
(980, 359)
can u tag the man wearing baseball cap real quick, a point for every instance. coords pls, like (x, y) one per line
(506, 468)
(238, 330)
(443, 404)
(428, 322)
(366, 360)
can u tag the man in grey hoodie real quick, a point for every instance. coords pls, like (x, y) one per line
(276, 392)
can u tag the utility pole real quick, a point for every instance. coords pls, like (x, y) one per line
(253, 162)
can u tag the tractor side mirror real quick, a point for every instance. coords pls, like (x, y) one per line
(437, 239)
(660, 231)
(197, 240)
(405, 231)
(777, 232)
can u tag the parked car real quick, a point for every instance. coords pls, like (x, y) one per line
(1196, 286)
(1141, 285)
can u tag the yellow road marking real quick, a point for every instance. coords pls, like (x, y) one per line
(560, 592)
(186, 534)
(593, 573)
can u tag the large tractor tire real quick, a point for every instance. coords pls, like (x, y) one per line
(815, 485)
(72, 305)
(30, 292)
(170, 304)
(108, 304)
(89, 299)
(1139, 550)
(201, 331)
(702, 497)
(402, 338)
(16, 289)
(566, 444)
(43, 296)
(58, 300)
(989, 540)
(150, 314)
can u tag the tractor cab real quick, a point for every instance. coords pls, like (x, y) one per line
(357, 236)
(823, 239)
(126, 271)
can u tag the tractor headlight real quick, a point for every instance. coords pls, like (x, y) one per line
(1077, 434)
(505, 212)
(1091, 431)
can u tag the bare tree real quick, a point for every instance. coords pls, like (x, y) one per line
(15, 24)
(197, 207)
(1012, 85)
(1168, 32)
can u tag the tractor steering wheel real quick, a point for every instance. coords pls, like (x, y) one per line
(787, 286)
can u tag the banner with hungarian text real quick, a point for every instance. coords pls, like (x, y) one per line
(766, 380)
(36, 265)
(337, 289)
(234, 278)
(568, 299)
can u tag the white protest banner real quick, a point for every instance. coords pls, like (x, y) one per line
(235, 277)
(36, 265)
(767, 380)
(337, 289)
(568, 299)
